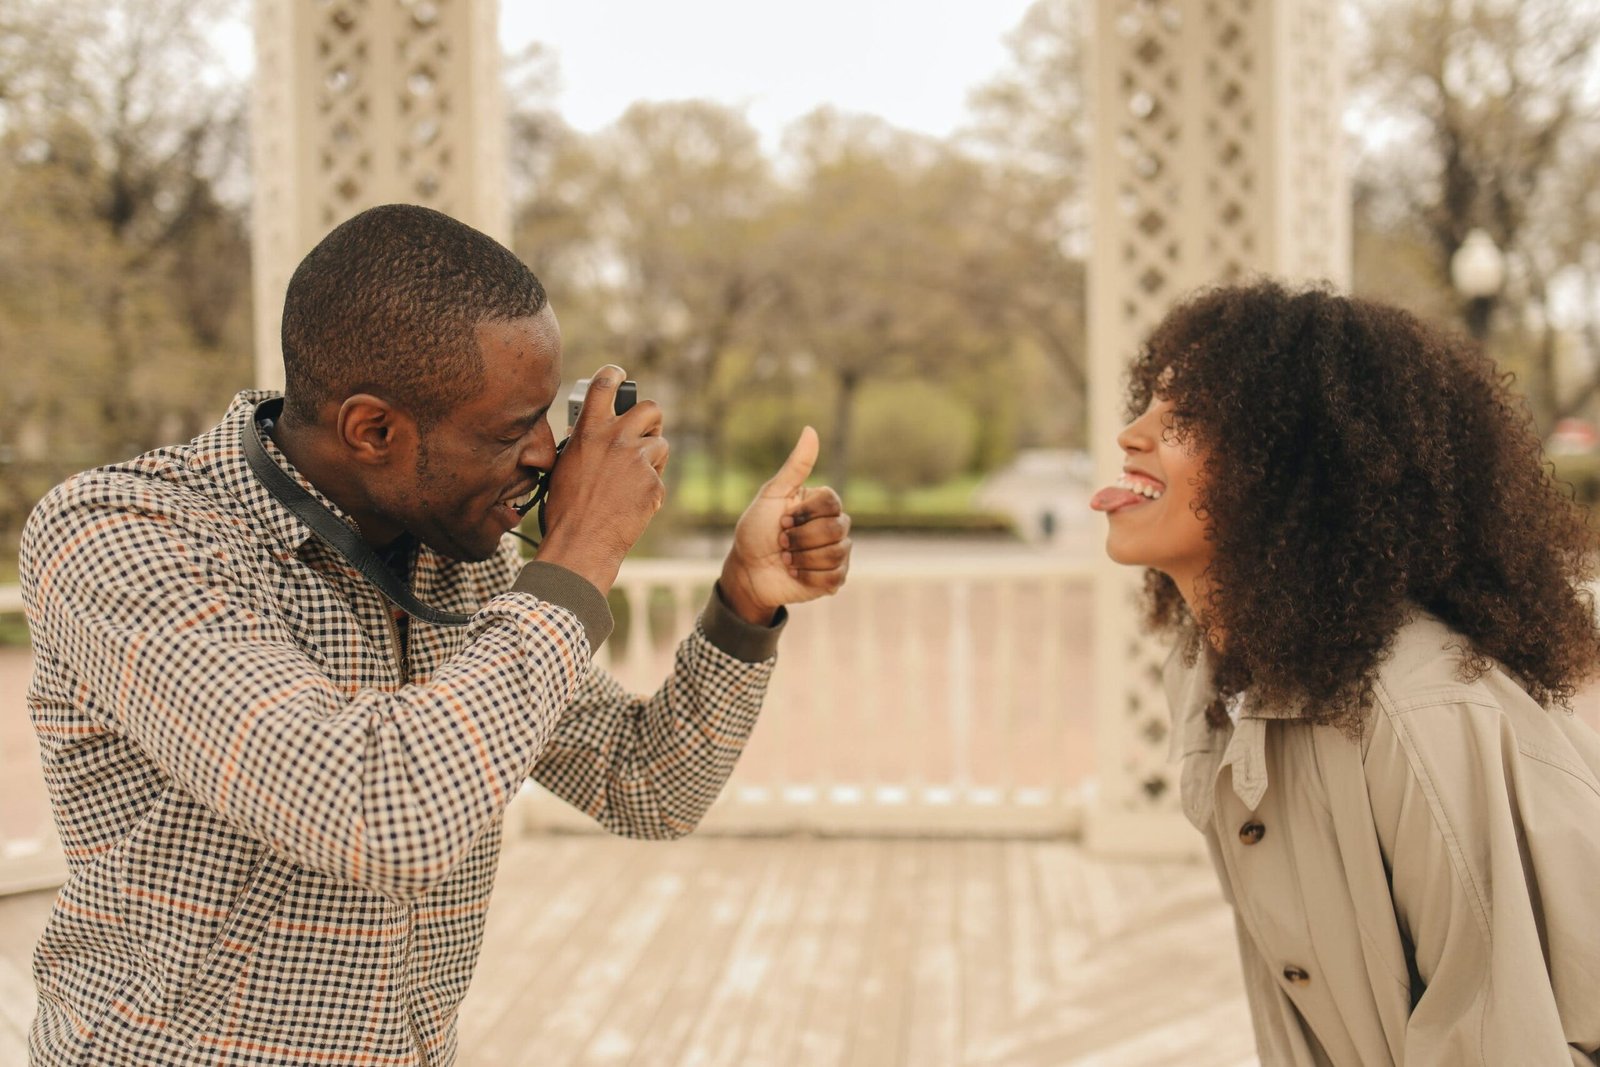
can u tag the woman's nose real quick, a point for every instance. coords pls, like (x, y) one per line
(1135, 437)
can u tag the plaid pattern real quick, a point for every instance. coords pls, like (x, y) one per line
(282, 830)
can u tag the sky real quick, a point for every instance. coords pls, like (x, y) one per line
(912, 62)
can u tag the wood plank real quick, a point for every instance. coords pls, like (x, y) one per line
(878, 1023)
(17, 1006)
(1031, 979)
(825, 1034)
(636, 1015)
(610, 952)
(983, 941)
(933, 1023)
(1167, 987)
(825, 952)
(779, 1014)
(553, 951)
(529, 915)
(731, 1000)
(739, 874)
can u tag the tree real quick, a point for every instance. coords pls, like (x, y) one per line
(1492, 115)
(918, 434)
(126, 269)
(1032, 123)
(880, 258)
(663, 216)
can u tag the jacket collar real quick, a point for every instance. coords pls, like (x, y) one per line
(1205, 750)
(218, 450)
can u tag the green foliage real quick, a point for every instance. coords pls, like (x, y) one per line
(762, 429)
(915, 432)
(1488, 119)
(124, 271)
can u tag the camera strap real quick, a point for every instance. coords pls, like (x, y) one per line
(325, 524)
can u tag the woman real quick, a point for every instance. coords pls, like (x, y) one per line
(1382, 602)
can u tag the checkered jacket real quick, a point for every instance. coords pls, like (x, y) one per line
(283, 829)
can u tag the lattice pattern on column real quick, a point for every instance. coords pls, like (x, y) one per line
(1228, 146)
(1139, 263)
(388, 119)
(1315, 189)
(343, 80)
(1147, 169)
(362, 102)
(426, 106)
(1206, 171)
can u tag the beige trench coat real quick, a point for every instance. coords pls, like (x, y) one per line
(1429, 895)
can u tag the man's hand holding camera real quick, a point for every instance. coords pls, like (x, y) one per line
(607, 486)
(792, 544)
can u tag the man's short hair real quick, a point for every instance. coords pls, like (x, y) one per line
(389, 303)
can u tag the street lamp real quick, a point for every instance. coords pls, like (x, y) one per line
(1478, 270)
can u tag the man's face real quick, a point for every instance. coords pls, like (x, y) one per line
(484, 455)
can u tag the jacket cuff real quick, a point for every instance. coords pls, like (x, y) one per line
(566, 589)
(740, 639)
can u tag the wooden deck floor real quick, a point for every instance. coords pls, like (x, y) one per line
(802, 952)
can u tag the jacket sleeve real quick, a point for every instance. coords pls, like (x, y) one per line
(651, 766)
(1493, 862)
(177, 648)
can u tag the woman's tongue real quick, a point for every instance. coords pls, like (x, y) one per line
(1114, 498)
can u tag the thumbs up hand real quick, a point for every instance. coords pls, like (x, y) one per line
(792, 544)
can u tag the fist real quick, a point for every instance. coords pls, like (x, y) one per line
(792, 544)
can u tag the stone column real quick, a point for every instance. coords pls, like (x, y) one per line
(1218, 155)
(363, 102)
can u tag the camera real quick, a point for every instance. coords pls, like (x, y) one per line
(627, 393)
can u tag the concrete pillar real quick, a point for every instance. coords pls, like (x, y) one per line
(364, 102)
(1218, 155)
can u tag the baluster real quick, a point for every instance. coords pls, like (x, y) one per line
(961, 686)
(1006, 710)
(637, 656)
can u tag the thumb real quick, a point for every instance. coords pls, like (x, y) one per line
(797, 468)
(603, 391)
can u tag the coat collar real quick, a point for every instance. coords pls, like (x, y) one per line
(1206, 750)
(218, 450)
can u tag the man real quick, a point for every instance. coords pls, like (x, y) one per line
(280, 796)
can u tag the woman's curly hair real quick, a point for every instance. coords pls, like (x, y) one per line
(1357, 463)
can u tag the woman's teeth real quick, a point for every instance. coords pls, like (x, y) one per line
(1144, 489)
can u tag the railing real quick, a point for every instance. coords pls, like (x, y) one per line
(941, 694)
(30, 854)
(936, 695)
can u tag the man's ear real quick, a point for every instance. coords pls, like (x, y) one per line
(373, 431)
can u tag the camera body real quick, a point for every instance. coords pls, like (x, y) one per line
(627, 394)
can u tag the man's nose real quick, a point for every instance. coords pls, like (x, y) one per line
(540, 451)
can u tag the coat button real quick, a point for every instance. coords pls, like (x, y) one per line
(1251, 832)
(1297, 975)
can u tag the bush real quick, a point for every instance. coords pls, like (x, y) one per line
(911, 434)
(762, 430)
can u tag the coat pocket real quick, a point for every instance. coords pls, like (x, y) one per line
(230, 953)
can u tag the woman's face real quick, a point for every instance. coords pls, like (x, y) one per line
(1151, 509)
